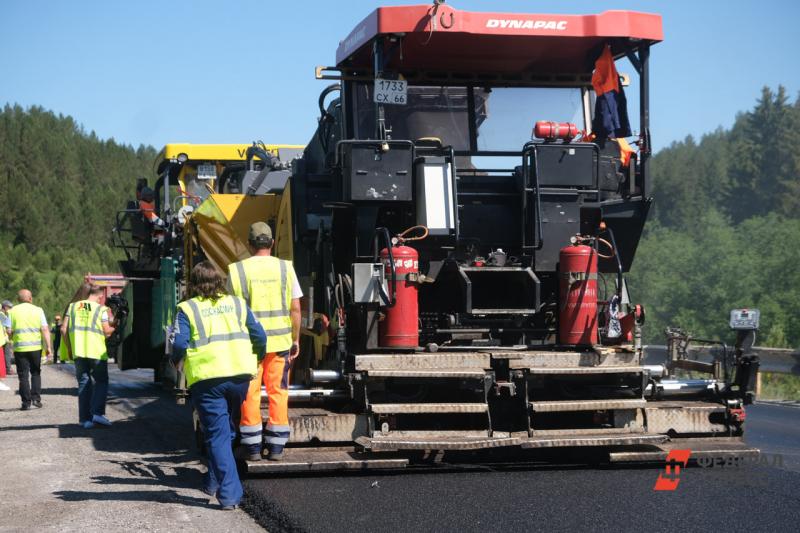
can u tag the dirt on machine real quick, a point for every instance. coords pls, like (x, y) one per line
(461, 223)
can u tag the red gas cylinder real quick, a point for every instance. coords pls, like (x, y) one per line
(400, 327)
(577, 317)
(555, 130)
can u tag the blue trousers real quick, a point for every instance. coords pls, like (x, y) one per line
(92, 377)
(218, 403)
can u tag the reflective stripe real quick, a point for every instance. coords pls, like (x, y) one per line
(283, 287)
(277, 429)
(28, 330)
(280, 313)
(256, 439)
(245, 291)
(244, 429)
(203, 341)
(95, 318)
(198, 321)
(279, 331)
(29, 343)
(277, 440)
(93, 329)
(238, 305)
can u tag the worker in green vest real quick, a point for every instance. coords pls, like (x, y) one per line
(219, 342)
(30, 334)
(83, 332)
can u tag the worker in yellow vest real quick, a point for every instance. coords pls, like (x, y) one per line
(270, 287)
(83, 332)
(220, 343)
(30, 334)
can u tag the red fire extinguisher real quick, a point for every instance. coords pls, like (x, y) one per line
(577, 317)
(399, 328)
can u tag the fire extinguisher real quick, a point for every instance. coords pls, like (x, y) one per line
(400, 326)
(577, 317)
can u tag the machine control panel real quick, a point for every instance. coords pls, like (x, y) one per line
(744, 319)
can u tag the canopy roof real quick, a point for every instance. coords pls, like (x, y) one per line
(446, 39)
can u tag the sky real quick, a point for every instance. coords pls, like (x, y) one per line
(233, 71)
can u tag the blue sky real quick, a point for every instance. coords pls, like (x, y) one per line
(237, 70)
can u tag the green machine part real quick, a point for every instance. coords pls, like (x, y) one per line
(165, 301)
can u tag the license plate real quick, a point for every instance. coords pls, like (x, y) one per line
(393, 92)
(206, 172)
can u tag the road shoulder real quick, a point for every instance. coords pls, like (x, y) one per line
(141, 473)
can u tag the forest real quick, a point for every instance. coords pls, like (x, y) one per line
(724, 231)
(60, 189)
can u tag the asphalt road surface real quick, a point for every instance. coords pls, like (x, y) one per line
(752, 497)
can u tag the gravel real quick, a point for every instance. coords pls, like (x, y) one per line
(139, 474)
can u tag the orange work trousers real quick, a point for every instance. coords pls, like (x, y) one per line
(273, 372)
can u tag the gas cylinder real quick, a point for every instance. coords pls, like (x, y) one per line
(400, 327)
(577, 317)
(555, 130)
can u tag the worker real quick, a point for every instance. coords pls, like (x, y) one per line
(220, 342)
(81, 294)
(55, 333)
(5, 324)
(29, 334)
(3, 342)
(147, 206)
(270, 287)
(84, 331)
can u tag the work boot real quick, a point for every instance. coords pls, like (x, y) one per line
(275, 456)
(25, 407)
(37, 404)
(101, 419)
(229, 507)
(87, 425)
(248, 453)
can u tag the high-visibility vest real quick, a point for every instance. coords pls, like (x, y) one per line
(85, 330)
(219, 343)
(265, 283)
(63, 354)
(26, 325)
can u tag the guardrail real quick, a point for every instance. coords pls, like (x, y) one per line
(779, 360)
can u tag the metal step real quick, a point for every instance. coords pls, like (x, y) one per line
(600, 439)
(702, 448)
(321, 459)
(588, 431)
(454, 442)
(417, 408)
(586, 405)
(589, 370)
(436, 442)
(458, 373)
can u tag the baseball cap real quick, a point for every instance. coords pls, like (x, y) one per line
(260, 232)
(7, 303)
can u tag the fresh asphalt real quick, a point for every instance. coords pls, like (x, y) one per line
(750, 497)
(546, 497)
